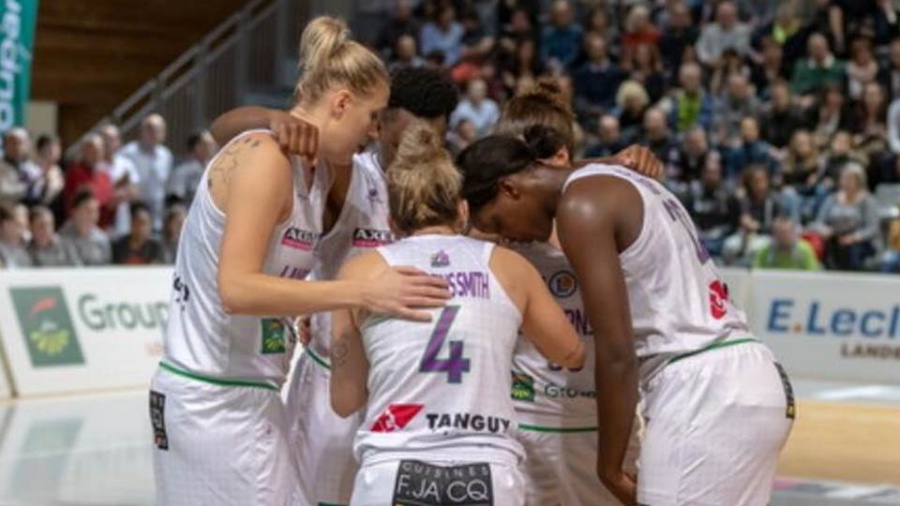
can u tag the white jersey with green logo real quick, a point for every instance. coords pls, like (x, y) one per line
(546, 395)
(440, 390)
(201, 339)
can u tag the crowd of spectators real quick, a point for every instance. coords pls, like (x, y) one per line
(112, 204)
(778, 120)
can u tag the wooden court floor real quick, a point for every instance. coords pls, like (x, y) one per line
(855, 443)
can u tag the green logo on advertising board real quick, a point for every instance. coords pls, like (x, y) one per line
(522, 387)
(272, 336)
(47, 326)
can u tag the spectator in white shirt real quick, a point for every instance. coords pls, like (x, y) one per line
(477, 108)
(124, 177)
(18, 175)
(186, 177)
(154, 164)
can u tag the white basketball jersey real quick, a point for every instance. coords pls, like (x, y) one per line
(545, 394)
(678, 302)
(440, 390)
(201, 338)
(361, 226)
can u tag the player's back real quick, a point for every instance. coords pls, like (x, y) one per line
(440, 390)
(678, 303)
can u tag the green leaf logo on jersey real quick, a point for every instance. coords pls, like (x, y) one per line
(47, 326)
(272, 336)
(522, 387)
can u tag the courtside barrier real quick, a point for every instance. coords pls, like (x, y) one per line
(70, 330)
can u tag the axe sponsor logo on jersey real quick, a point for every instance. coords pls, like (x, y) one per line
(467, 421)
(396, 417)
(371, 238)
(421, 484)
(296, 238)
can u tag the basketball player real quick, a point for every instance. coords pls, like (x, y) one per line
(718, 407)
(439, 421)
(219, 423)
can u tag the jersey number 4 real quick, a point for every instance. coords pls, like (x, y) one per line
(456, 364)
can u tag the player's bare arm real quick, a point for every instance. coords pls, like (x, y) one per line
(295, 136)
(592, 232)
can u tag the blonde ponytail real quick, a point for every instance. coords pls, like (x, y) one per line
(330, 58)
(424, 187)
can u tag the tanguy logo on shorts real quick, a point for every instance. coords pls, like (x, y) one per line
(467, 421)
(299, 239)
(396, 417)
(47, 326)
(371, 238)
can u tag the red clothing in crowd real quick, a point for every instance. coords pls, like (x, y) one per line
(78, 176)
(646, 38)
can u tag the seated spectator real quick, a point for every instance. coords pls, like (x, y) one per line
(786, 250)
(730, 64)
(402, 24)
(597, 81)
(759, 208)
(830, 116)
(49, 185)
(609, 138)
(463, 134)
(138, 247)
(839, 154)
(862, 69)
(772, 70)
(751, 151)
(645, 67)
(18, 175)
(91, 244)
(869, 122)
(523, 64)
(477, 108)
(690, 159)
(124, 177)
(681, 33)
(848, 222)
(90, 172)
(561, 39)
(891, 262)
(444, 35)
(690, 105)
(725, 33)
(818, 71)
(13, 246)
(639, 30)
(738, 103)
(46, 248)
(714, 209)
(599, 21)
(889, 75)
(781, 117)
(186, 177)
(802, 175)
(631, 105)
(657, 136)
(786, 31)
(847, 18)
(405, 54)
(171, 232)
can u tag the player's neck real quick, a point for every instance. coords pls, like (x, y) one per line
(551, 183)
(436, 230)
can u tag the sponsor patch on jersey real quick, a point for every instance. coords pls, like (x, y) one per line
(440, 259)
(371, 238)
(562, 284)
(296, 238)
(718, 299)
(467, 421)
(272, 334)
(421, 484)
(522, 387)
(791, 409)
(158, 420)
(396, 417)
(374, 195)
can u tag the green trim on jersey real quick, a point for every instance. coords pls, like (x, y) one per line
(557, 430)
(319, 360)
(218, 381)
(329, 504)
(713, 346)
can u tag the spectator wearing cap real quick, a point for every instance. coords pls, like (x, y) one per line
(725, 33)
(561, 39)
(186, 177)
(477, 108)
(690, 105)
(681, 33)
(47, 248)
(153, 162)
(848, 222)
(90, 172)
(138, 247)
(124, 177)
(820, 70)
(597, 81)
(18, 175)
(444, 34)
(609, 138)
(714, 209)
(13, 247)
(786, 251)
(91, 244)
